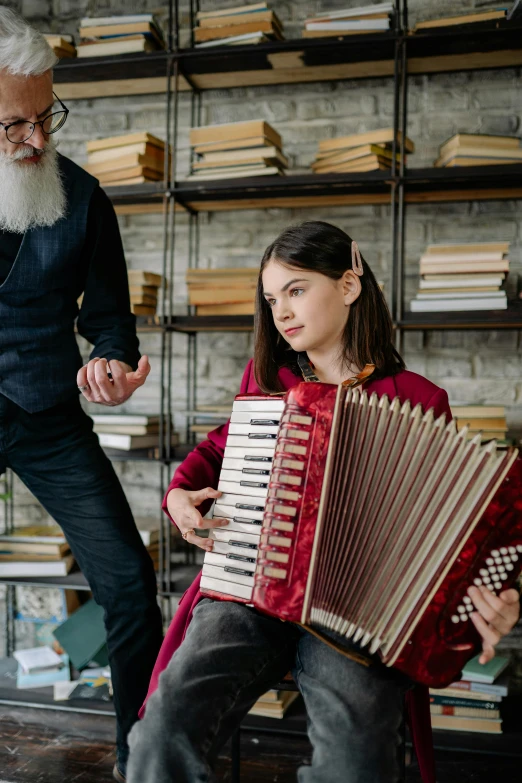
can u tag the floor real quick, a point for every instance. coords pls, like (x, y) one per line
(37, 749)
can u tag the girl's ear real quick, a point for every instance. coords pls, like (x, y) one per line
(351, 286)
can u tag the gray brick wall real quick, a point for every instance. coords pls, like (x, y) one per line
(473, 367)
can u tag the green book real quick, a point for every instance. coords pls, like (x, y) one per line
(82, 636)
(484, 672)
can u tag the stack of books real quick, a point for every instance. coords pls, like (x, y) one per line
(108, 35)
(62, 45)
(472, 149)
(474, 18)
(244, 24)
(143, 289)
(462, 277)
(237, 149)
(126, 160)
(39, 667)
(273, 704)
(488, 420)
(368, 151)
(94, 684)
(226, 291)
(35, 550)
(350, 21)
(129, 432)
(472, 703)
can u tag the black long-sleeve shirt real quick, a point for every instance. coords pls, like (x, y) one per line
(105, 317)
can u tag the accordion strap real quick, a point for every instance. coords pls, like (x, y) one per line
(358, 657)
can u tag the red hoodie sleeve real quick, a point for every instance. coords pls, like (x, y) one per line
(440, 404)
(202, 466)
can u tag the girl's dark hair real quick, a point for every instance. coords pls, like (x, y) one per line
(321, 247)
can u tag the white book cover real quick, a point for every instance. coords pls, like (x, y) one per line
(456, 305)
(93, 21)
(493, 295)
(378, 8)
(463, 281)
(235, 39)
(123, 419)
(38, 659)
(356, 24)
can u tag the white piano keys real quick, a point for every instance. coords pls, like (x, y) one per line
(228, 511)
(225, 588)
(252, 431)
(235, 548)
(224, 535)
(257, 489)
(218, 572)
(230, 560)
(262, 440)
(260, 406)
(255, 418)
(241, 464)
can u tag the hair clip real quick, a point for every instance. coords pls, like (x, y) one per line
(357, 260)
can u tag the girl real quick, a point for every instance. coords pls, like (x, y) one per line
(319, 315)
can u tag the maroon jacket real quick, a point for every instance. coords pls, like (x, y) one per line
(201, 469)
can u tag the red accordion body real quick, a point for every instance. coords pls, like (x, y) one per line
(298, 559)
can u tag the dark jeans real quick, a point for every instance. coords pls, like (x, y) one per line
(229, 657)
(59, 459)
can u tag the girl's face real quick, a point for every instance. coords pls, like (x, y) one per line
(310, 310)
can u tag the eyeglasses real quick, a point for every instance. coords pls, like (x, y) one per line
(22, 130)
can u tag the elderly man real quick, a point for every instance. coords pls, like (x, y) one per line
(58, 238)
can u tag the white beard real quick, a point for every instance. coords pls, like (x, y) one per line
(31, 194)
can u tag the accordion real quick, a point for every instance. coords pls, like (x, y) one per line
(368, 518)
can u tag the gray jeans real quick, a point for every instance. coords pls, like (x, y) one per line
(230, 656)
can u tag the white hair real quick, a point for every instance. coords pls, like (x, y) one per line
(23, 50)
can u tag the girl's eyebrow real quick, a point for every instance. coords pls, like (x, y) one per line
(287, 285)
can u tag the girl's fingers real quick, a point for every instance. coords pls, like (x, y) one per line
(494, 610)
(202, 543)
(489, 634)
(216, 522)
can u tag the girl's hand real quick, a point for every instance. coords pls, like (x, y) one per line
(494, 618)
(182, 506)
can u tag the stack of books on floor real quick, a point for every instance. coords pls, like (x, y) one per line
(368, 151)
(244, 24)
(462, 277)
(472, 703)
(35, 550)
(39, 667)
(472, 149)
(226, 291)
(108, 35)
(131, 159)
(130, 432)
(473, 18)
(143, 289)
(488, 420)
(350, 21)
(62, 45)
(94, 684)
(273, 704)
(237, 149)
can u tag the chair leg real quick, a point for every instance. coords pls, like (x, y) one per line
(235, 754)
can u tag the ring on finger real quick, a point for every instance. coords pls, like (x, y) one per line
(185, 534)
(84, 387)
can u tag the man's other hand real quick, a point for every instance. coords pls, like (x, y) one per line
(96, 385)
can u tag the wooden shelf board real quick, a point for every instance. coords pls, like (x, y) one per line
(212, 323)
(485, 319)
(295, 61)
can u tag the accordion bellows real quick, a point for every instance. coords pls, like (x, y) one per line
(375, 518)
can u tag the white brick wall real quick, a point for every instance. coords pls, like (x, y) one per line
(473, 367)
